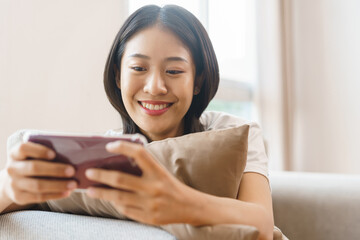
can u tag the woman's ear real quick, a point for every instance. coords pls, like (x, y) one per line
(198, 83)
(117, 76)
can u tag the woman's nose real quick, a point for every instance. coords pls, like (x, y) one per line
(155, 85)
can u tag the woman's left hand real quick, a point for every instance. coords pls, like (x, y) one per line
(155, 198)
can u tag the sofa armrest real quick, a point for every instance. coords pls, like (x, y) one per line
(316, 205)
(31, 224)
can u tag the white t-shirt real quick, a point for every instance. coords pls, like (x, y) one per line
(257, 160)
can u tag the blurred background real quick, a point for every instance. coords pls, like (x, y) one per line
(292, 66)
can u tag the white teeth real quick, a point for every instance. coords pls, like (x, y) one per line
(154, 107)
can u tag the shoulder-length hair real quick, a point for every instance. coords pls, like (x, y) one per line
(190, 31)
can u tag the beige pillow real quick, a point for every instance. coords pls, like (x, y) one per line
(212, 162)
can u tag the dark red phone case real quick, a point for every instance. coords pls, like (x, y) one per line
(85, 152)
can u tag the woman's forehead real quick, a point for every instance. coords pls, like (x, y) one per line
(156, 42)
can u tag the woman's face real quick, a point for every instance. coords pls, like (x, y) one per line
(157, 82)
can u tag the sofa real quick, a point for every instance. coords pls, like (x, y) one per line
(306, 206)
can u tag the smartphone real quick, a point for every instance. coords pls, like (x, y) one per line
(85, 152)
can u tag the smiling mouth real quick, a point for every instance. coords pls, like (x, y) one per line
(155, 106)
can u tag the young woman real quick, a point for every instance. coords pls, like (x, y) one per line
(160, 76)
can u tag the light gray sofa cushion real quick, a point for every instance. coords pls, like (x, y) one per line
(40, 225)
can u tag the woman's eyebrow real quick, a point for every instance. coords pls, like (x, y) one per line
(176, 59)
(169, 59)
(139, 55)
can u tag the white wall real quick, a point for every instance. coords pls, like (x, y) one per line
(326, 85)
(52, 55)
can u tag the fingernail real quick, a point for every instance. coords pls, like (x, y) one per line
(71, 185)
(112, 144)
(90, 173)
(51, 154)
(69, 171)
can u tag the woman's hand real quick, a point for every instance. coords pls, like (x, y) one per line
(155, 198)
(28, 180)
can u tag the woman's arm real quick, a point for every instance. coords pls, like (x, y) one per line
(253, 207)
(159, 198)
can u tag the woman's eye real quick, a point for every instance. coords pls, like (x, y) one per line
(138, 69)
(173, 72)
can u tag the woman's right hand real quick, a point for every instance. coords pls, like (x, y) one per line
(32, 180)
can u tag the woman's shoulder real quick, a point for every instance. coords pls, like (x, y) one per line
(213, 120)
